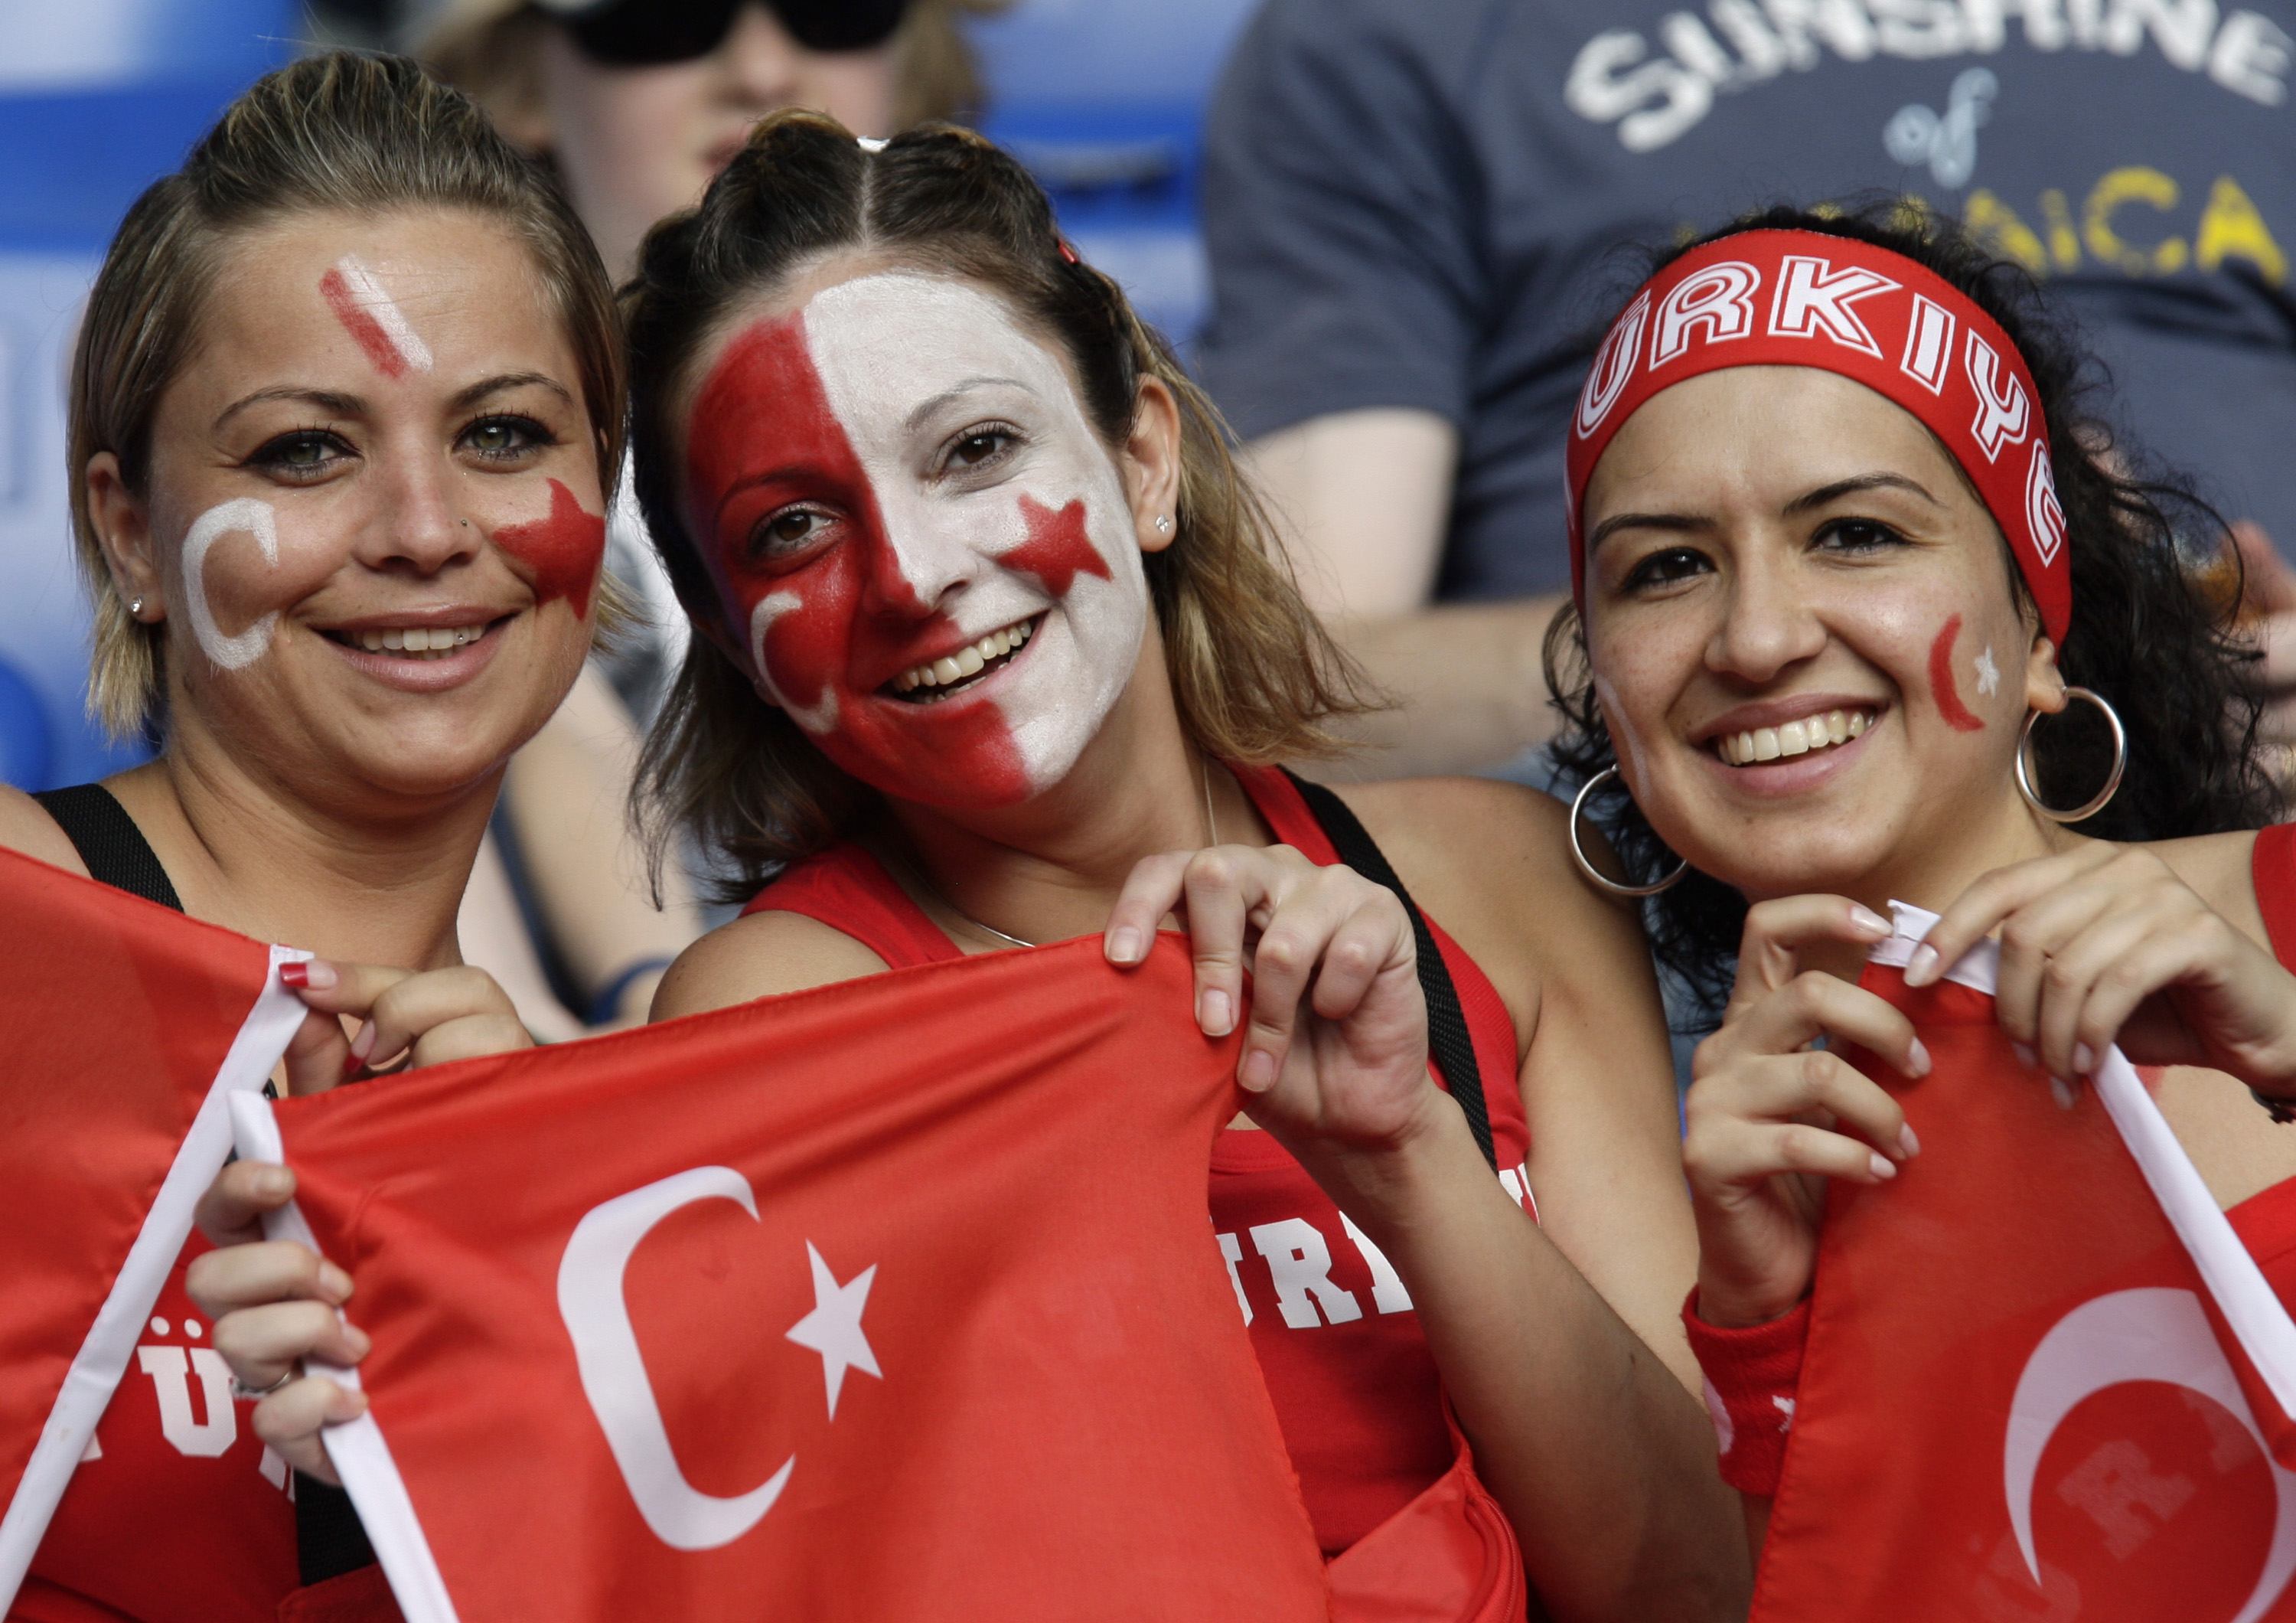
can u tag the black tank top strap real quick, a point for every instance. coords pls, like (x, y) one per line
(1448, 1035)
(109, 842)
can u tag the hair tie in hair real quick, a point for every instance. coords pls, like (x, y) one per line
(1804, 299)
(1067, 252)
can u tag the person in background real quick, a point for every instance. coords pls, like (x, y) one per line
(1411, 211)
(344, 414)
(636, 104)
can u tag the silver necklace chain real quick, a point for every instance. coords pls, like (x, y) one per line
(1211, 832)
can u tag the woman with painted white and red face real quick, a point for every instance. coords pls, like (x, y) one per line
(341, 406)
(992, 650)
(1844, 548)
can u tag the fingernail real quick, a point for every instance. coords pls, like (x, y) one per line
(2063, 1091)
(1215, 1013)
(1909, 1146)
(1917, 1059)
(1258, 1072)
(1883, 1167)
(1124, 945)
(363, 1044)
(357, 1342)
(334, 1284)
(274, 1182)
(2026, 1057)
(1866, 920)
(1921, 967)
(315, 973)
(352, 1064)
(349, 1406)
(2084, 1058)
(297, 974)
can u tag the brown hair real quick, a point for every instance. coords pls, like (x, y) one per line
(359, 133)
(491, 49)
(1254, 674)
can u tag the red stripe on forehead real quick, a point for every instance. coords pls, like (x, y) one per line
(359, 322)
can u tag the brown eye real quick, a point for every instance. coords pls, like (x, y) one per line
(506, 439)
(786, 531)
(300, 454)
(981, 445)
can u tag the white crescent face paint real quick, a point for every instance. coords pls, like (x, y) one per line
(928, 549)
(243, 515)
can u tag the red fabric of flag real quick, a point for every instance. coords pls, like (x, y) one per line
(121, 1027)
(896, 1298)
(2019, 1400)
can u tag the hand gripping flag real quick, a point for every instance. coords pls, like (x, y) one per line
(2043, 1381)
(896, 1298)
(123, 1026)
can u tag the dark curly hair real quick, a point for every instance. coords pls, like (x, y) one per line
(2148, 634)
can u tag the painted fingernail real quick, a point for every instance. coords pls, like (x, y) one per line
(2062, 1093)
(1917, 1059)
(1124, 945)
(2026, 1057)
(353, 1064)
(1216, 1013)
(296, 974)
(1883, 1167)
(1909, 1146)
(2084, 1058)
(1258, 1072)
(315, 973)
(1866, 920)
(334, 1284)
(1921, 967)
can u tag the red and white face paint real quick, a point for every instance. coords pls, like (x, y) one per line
(921, 545)
(373, 318)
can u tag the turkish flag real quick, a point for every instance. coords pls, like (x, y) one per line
(892, 1299)
(2042, 1379)
(123, 1026)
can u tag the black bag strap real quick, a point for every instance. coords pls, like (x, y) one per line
(109, 842)
(1448, 1037)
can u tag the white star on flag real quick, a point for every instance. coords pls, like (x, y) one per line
(833, 1328)
(1988, 674)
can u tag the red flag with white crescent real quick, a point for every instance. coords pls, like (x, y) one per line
(894, 1298)
(2043, 1381)
(123, 1028)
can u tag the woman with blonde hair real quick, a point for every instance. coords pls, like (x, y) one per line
(345, 410)
(993, 650)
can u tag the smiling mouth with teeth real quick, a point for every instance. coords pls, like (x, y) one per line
(928, 683)
(1794, 739)
(414, 641)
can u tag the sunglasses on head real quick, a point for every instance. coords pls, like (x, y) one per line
(648, 33)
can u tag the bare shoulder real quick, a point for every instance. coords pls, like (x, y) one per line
(24, 827)
(2220, 868)
(759, 955)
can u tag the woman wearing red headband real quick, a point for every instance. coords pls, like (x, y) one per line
(1852, 575)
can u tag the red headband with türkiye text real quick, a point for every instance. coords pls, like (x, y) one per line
(1804, 299)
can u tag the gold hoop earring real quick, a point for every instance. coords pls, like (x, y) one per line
(1579, 852)
(2095, 802)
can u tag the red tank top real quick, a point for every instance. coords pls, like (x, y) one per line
(2266, 1222)
(178, 1513)
(1347, 1367)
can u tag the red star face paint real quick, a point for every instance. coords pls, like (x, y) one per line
(919, 540)
(1941, 683)
(372, 317)
(561, 551)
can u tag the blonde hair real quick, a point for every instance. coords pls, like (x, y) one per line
(1254, 674)
(491, 50)
(344, 131)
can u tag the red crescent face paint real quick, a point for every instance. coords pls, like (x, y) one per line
(373, 318)
(562, 549)
(922, 547)
(1948, 699)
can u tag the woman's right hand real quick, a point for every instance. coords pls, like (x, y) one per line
(1770, 1118)
(275, 1303)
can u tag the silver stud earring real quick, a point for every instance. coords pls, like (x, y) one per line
(135, 608)
(1163, 524)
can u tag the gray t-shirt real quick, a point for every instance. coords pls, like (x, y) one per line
(1431, 203)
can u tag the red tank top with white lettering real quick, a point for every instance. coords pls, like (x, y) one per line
(2266, 1222)
(1347, 1366)
(178, 1513)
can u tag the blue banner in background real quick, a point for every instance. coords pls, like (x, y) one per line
(98, 98)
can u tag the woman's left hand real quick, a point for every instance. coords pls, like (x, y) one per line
(2104, 943)
(1335, 1046)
